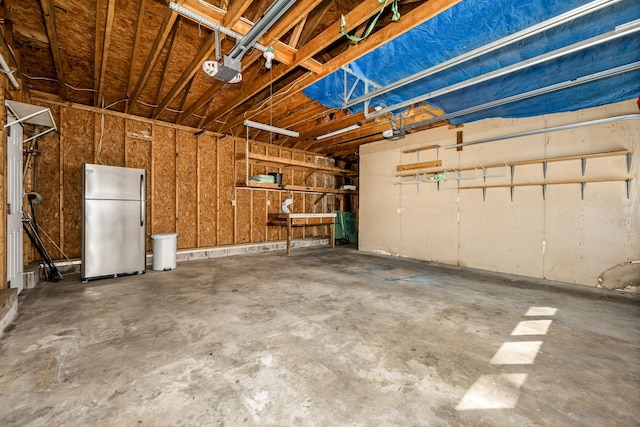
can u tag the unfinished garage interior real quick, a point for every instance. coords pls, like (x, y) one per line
(320, 212)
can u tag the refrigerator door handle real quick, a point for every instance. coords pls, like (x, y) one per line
(141, 200)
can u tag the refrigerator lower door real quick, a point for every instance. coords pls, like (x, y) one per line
(114, 237)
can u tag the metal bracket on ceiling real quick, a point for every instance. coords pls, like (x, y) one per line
(368, 84)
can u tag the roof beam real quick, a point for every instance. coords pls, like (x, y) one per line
(136, 47)
(284, 53)
(232, 16)
(205, 51)
(297, 32)
(174, 33)
(358, 15)
(186, 95)
(349, 143)
(289, 20)
(103, 43)
(417, 16)
(306, 140)
(316, 18)
(208, 94)
(163, 33)
(235, 12)
(7, 34)
(50, 24)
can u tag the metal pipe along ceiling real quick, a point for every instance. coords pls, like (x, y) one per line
(620, 31)
(533, 93)
(551, 129)
(498, 44)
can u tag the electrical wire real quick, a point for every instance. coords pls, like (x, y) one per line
(114, 103)
(278, 94)
(79, 89)
(39, 78)
(99, 150)
(93, 90)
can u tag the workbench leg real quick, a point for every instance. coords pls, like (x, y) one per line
(288, 237)
(332, 236)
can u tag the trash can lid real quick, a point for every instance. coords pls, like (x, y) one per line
(164, 236)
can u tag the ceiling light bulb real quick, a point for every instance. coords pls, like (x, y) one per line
(236, 79)
(210, 67)
(269, 56)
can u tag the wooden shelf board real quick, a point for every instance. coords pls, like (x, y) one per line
(299, 188)
(262, 159)
(525, 184)
(415, 150)
(421, 165)
(526, 162)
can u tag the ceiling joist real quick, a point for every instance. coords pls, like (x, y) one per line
(136, 48)
(103, 43)
(48, 8)
(152, 58)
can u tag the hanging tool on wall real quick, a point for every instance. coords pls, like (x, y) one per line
(30, 225)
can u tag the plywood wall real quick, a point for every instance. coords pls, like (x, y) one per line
(192, 180)
(562, 237)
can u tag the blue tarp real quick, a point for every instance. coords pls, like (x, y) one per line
(474, 23)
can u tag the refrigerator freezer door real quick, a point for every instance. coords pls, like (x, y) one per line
(114, 237)
(112, 182)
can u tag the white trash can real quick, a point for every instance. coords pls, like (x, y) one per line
(164, 251)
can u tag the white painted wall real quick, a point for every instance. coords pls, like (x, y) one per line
(561, 238)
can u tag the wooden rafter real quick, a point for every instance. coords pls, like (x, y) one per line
(103, 43)
(369, 129)
(8, 38)
(163, 33)
(288, 21)
(303, 113)
(417, 16)
(283, 52)
(297, 32)
(99, 51)
(209, 93)
(136, 48)
(339, 123)
(331, 34)
(232, 16)
(312, 23)
(350, 142)
(50, 24)
(235, 12)
(167, 62)
(205, 51)
(412, 19)
(187, 89)
(358, 15)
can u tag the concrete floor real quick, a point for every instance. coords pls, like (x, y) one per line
(323, 337)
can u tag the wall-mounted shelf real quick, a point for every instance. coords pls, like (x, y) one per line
(426, 147)
(543, 184)
(582, 157)
(300, 188)
(264, 160)
(419, 165)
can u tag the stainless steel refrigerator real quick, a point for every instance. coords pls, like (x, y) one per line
(114, 220)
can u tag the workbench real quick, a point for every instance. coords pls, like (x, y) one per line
(291, 220)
